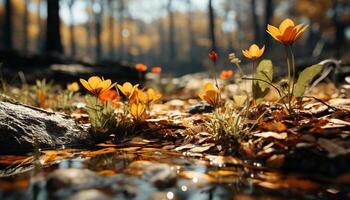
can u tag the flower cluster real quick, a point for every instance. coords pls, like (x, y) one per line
(287, 33)
(138, 100)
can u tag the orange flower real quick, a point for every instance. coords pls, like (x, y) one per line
(141, 67)
(111, 96)
(137, 110)
(226, 74)
(74, 87)
(127, 89)
(287, 32)
(211, 94)
(96, 85)
(156, 70)
(254, 52)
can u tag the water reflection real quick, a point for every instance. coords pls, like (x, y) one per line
(128, 172)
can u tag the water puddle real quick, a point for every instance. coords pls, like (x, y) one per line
(151, 172)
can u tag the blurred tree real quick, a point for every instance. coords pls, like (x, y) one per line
(256, 26)
(8, 25)
(111, 7)
(121, 17)
(98, 13)
(212, 25)
(25, 27)
(71, 28)
(88, 29)
(39, 42)
(53, 44)
(191, 34)
(339, 8)
(162, 39)
(172, 48)
(269, 8)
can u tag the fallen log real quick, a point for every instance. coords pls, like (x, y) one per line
(24, 128)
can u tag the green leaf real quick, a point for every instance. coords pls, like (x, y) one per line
(305, 78)
(240, 99)
(264, 71)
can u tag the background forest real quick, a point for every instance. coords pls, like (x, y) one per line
(174, 34)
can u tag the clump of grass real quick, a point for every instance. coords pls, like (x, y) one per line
(228, 126)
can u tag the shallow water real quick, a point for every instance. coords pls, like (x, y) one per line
(124, 173)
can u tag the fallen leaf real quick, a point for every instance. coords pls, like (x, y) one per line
(273, 126)
(275, 161)
(275, 135)
(201, 149)
(331, 147)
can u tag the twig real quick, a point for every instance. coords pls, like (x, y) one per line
(324, 103)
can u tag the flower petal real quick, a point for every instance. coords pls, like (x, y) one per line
(94, 81)
(209, 86)
(285, 24)
(104, 85)
(261, 51)
(85, 84)
(254, 50)
(300, 32)
(246, 54)
(286, 37)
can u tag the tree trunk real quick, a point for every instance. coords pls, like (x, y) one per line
(339, 27)
(172, 48)
(8, 25)
(268, 16)
(53, 36)
(191, 36)
(98, 29)
(212, 26)
(111, 28)
(88, 29)
(162, 42)
(256, 26)
(25, 27)
(72, 29)
(121, 29)
(39, 43)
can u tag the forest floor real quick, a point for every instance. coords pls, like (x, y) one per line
(175, 154)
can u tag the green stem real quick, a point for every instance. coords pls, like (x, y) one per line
(253, 77)
(216, 80)
(291, 54)
(289, 78)
(240, 69)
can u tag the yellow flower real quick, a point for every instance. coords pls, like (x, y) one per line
(287, 32)
(127, 89)
(137, 96)
(137, 110)
(210, 94)
(74, 87)
(254, 52)
(96, 85)
(152, 95)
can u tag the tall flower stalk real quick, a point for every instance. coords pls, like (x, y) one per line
(214, 56)
(253, 54)
(287, 33)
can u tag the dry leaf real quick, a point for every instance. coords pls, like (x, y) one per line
(280, 136)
